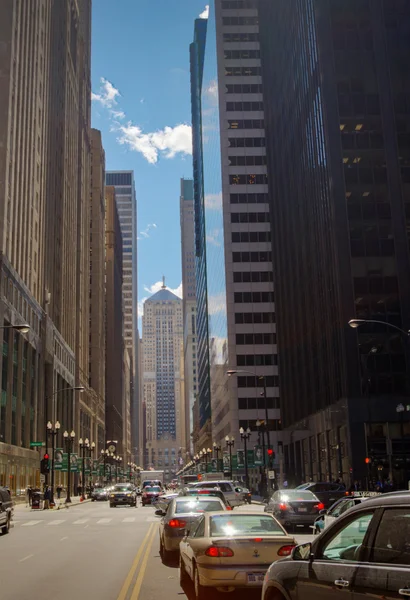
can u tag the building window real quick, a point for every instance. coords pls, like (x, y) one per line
(258, 142)
(250, 217)
(254, 318)
(244, 88)
(246, 124)
(248, 179)
(251, 236)
(247, 161)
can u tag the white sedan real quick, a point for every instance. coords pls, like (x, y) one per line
(231, 550)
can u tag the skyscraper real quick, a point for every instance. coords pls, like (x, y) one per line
(123, 182)
(337, 114)
(163, 395)
(233, 222)
(188, 303)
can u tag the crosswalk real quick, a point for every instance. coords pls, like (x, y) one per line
(78, 522)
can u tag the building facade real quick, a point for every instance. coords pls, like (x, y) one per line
(163, 394)
(44, 204)
(337, 114)
(123, 182)
(188, 304)
(114, 379)
(237, 230)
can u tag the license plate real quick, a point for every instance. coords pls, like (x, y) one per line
(255, 578)
(302, 509)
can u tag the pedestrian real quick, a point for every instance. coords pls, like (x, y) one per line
(78, 490)
(59, 490)
(47, 498)
(29, 495)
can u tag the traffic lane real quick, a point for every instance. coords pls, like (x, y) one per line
(65, 559)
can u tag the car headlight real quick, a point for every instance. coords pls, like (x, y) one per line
(129, 495)
(112, 496)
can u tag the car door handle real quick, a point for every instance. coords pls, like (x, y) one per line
(404, 592)
(343, 583)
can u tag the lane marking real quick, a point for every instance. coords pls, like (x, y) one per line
(80, 521)
(102, 521)
(137, 588)
(129, 520)
(26, 557)
(31, 523)
(64, 538)
(124, 590)
(56, 522)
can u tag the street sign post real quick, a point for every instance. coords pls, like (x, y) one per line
(271, 474)
(37, 444)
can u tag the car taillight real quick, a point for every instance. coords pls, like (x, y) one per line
(257, 540)
(320, 506)
(283, 506)
(229, 508)
(176, 523)
(286, 550)
(218, 552)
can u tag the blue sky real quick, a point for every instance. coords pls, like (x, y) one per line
(141, 103)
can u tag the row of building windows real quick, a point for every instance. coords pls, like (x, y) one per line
(241, 54)
(241, 37)
(247, 161)
(257, 403)
(238, 4)
(251, 339)
(251, 236)
(259, 142)
(273, 425)
(239, 21)
(251, 217)
(248, 179)
(243, 71)
(253, 277)
(369, 209)
(254, 318)
(244, 106)
(375, 285)
(244, 88)
(244, 257)
(246, 124)
(252, 382)
(359, 141)
(253, 297)
(248, 198)
(256, 360)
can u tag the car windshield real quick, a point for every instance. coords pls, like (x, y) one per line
(232, 525)
(297, 496)
(154, 488)
(197, 506)
(303, 486)
(122, 488)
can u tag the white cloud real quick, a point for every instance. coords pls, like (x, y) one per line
(214, 237)
(205, 13)
(118, 114)
(168, 142)
(155, 287)
(107, 94)
(145, 232)
(142, 100)
(217, 304)
(141, 307)
(212, 92)
(213, 201)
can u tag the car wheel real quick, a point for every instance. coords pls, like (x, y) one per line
(200, 591)
(183, 575)
(6, 528)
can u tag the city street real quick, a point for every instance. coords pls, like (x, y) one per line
(92, 551)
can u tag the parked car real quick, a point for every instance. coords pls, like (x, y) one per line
(180, 514)
(234, 498)
(327, 492)
(339, 507)
(99, 494)
(150, 494)
(122, 494)
(6, 510)
(294, 507)
(231, 550)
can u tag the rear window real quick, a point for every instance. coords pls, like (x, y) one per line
(295, 495)
(244, 524)
(154, 488)
(187, 506)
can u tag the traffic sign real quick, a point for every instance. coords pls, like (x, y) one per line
(271, 474)
(42, 478)
(37, 444)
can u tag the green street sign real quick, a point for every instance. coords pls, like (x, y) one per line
(79, 464)
(240, 458)
(251, 459)
(234, 462)
(58, 459)
(101, 470)
(225, 459)
(64, 468)
(258, 456)
(95, 467)
(37, 444)
(87, 466)
(74, 463)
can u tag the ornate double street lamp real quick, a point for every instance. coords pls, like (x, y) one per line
(53, 432)
(230, 442)
(245, 435)
(69, 441)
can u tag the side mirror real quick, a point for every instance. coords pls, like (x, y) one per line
(160, 512)
(323, 511)
(302, 552)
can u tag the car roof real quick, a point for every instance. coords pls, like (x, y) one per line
(213, 481)
(200, 497)
(391, 499)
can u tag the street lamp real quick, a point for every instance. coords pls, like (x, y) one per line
(229, 444)
(53, 431)
(261, 378)
(245, 436)
(217, 449)
(261, 431)
(22, 328)
(69, 441)
(206, 453)
(84, 445)
(355, 323)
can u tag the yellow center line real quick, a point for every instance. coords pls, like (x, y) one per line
(127, 582)
(140, 578)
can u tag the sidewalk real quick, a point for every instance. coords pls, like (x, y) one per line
(60, 504)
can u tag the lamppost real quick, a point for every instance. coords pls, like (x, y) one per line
(46, 400)
(84, 445)
(217, 450)
(261, 378)
(91, 453)
(245, 436)
(206, 453)
(261, 432)
(229, 444)
(118, 460)
(69, 441)
(22, 328)
(105, 454)
(53, 431)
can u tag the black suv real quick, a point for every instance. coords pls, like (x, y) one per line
(365, 553)
(327, 492)
(123, 494)
(6, 510)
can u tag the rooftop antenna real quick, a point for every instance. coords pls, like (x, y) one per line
(163, 282)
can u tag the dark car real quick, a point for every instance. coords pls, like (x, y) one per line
(6, 510)
(150, 494)
(294, 507)
(365, 553)
(99, 494)
(122, 495)
(327, 492)
(206, 492)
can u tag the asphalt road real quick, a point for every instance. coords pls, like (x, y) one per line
(90, 551)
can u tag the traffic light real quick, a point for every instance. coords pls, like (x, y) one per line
(367, 460)
(271, 456)
(44, 465)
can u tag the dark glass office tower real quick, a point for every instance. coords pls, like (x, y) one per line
(337, 114)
